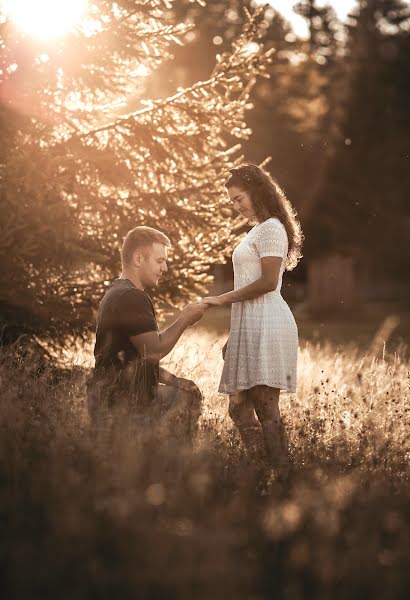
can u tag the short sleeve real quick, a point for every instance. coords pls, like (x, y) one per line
(271, 239)
(135, 313)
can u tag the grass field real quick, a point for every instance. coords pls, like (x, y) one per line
(143, 516)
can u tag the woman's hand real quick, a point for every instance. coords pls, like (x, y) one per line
(213, 300)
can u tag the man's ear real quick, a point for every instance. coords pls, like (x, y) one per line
(138, 258)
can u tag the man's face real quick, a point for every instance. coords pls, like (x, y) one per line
(153, 263)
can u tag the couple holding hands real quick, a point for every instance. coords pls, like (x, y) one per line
(260, 357)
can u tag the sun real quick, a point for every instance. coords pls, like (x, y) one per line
(44, 19)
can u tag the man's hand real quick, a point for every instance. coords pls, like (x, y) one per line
(192, 313)
(177, 382)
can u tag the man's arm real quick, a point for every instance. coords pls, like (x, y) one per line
(154, 345)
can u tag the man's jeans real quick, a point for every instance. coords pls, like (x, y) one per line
(177, 411)
(173, 412)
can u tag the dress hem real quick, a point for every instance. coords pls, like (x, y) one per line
(247, 387)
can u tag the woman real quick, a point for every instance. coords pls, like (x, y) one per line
(261, 352)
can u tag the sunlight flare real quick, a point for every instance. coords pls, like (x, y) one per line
(44, 19)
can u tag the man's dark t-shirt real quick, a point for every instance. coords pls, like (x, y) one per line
(125, 311)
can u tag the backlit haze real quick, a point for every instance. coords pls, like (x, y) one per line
(298, 23)
(44, 19)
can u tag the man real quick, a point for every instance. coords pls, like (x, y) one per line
(128, 347)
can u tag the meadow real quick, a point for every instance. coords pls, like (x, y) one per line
(142, 516)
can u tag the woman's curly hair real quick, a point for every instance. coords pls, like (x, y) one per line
(269, 200)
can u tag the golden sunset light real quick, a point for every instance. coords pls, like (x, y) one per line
(44, 19)
(204, 283)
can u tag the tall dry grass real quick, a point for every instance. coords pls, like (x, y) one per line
(140, 516)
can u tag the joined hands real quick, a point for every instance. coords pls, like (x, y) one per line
(194, 312)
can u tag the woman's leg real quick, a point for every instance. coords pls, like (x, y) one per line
(242, 413)
(265, 400)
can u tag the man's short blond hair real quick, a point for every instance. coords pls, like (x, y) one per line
(141, 237)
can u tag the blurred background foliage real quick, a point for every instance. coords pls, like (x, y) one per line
(333, 116)
(134, 118)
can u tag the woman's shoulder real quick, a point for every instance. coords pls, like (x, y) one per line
(271, 224)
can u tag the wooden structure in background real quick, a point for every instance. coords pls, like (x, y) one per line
(333, 286)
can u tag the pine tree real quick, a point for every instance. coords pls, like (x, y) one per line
(79, 168)
(285, 106)
(322, 84)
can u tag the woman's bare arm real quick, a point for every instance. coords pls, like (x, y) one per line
(267, 282)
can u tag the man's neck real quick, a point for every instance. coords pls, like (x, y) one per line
(126, 274)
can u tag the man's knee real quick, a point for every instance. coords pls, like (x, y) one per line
(189, 403)
(183, 400)
(196, 400)
(180, 413)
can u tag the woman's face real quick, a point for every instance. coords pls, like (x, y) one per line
(241, 201)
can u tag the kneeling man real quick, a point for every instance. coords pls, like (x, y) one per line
(127, 378)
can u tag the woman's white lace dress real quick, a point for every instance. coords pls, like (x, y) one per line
(263, 340)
